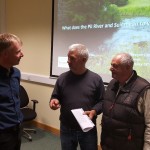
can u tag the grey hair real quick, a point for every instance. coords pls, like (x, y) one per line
(82, 50)
(126, 59)
(6, 40)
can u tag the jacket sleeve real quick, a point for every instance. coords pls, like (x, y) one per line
(144, 107)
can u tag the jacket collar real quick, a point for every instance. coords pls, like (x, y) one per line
(128, 84)
(6, 72)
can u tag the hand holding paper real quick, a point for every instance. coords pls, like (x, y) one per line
(84, 121)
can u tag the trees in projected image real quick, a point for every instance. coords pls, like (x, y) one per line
(77, 12)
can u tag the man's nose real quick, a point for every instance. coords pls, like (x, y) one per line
(111, 68)
(22, 54)
(68, 61)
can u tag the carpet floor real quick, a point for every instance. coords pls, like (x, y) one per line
(41, 140)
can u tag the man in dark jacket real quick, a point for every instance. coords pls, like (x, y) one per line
(126, 108)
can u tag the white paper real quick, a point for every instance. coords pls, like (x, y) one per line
(84, 121)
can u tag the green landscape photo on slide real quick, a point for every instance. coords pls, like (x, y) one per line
(106, 27)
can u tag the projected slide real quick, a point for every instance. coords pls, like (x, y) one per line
(106, 27)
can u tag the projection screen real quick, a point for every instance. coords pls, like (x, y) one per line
(106, 27)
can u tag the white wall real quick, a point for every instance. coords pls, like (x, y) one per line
(31, 21)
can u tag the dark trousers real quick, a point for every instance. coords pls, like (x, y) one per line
(71, 138)
(10, 139)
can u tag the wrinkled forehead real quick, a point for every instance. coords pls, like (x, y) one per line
(73, 53)
(116, 60)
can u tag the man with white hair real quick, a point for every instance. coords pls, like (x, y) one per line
(126, 108)
(77, 88)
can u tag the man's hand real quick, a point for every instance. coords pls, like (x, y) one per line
(90, 114)
(54, 104)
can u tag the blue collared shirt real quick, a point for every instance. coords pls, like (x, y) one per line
(10, 114)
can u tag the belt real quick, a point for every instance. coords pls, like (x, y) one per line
(11, 129)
